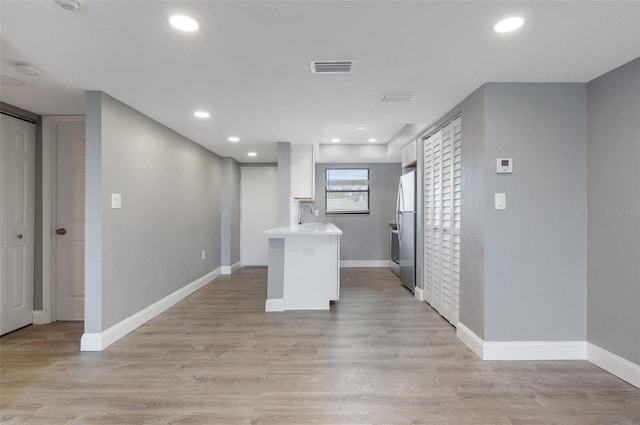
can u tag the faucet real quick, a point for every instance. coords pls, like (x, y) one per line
(302, 211)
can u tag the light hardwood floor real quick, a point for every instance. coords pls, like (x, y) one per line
(378, 357)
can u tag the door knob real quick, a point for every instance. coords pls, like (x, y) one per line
(61, 231)
(20, 236)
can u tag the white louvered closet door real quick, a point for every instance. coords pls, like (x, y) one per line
(455, 224)
(442, 161)
(437, 219)
(446, 257)
(429, 217)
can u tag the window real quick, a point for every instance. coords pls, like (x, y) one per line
(347, 191)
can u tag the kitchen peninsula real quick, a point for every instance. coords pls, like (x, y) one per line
(304, 267)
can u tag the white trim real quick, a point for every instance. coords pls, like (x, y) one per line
(364, 263)
(100, 341)
(551, 350)
(418, 294)
(49, 148)
(521, 350)
(274, 304)
(229, 269)
(535, 350)
(473, 341)
(614, 364)
(39, 318)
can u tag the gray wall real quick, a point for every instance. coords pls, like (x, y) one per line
(473, 212)
(523, 269)
(535, 250)
(284, 183)
(230, 214)
(93, 206)
(613, 152)
(365, 237)
(171, 211)
(472, 275)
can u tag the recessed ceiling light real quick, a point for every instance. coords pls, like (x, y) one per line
(509, 24)
(201, 114)
(233, 139)
(360, 128)
(336, 140)
(184, 23)
(28, 69)
(70, 5)
(372, 140)
(252, 154)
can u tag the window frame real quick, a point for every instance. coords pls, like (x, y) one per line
(327, 191)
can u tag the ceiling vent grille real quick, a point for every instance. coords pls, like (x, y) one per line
(398, 97)
(331, 67)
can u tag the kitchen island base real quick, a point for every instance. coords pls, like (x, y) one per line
(304, 267)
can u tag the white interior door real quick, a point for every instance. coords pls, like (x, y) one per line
(258, 212)
(17, 222)
(70, 160)
(442, 204)
(446, 258)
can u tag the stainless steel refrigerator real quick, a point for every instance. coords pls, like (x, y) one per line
(406, 219)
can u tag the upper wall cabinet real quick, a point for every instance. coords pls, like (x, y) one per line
(409, 155)
(302, 172)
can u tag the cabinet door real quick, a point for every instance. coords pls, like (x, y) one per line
(302, 172)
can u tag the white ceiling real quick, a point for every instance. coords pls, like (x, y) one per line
(249, 64)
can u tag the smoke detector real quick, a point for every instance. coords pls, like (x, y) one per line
(71, 5)
(28, 69)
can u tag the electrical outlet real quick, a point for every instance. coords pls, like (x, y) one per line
(203, 254)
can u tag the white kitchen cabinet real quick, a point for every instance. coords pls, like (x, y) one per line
(302, 172)
(304, 267)
(409, 154)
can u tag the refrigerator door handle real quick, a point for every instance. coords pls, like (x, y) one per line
(398, 206)
(398, 197)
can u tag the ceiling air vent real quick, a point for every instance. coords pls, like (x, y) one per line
(398, 97)
(331, 67)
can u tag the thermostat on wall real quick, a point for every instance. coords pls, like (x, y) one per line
(504, 165)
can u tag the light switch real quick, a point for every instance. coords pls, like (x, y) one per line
(501, 201)
(116, 200)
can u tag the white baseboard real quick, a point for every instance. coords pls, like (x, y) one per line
(100, 341)
(41, 318)
(522, 350)
(614, 364)
(551, 350)
(473, 341)
(535, 350)
(229, 269)
(364, 263)
(418, 293)
(274, 304)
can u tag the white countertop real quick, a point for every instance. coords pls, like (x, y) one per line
(305, 229)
